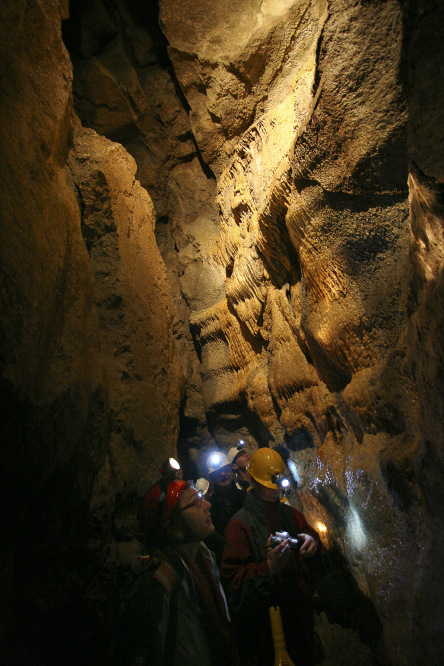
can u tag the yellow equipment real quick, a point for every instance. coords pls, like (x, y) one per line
(281, 657)
(265, 464)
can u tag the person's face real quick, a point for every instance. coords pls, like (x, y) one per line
(241, 462)
(222, 477)
(195, 511)
(266, 494)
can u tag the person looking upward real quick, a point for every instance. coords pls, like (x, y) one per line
(240, 459)
(177, 611)
(258, 574)
(225, 500)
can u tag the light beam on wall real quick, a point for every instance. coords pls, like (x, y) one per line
(355, 531)
(294, 471)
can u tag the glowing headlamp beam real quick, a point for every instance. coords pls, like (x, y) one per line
(170, 468)
(294, 472)
(215, 460)
(280, 480)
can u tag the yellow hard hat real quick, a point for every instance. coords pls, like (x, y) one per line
(264, 465)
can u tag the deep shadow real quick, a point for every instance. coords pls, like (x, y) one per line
(342, 600)
(299, 440)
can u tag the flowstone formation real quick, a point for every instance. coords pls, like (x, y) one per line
(312, 339)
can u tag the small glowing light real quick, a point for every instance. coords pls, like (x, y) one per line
(215, 460)
(241, 443)
(170, 468)
(285, 483)
(321, 527)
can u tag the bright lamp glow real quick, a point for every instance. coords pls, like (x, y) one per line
(174, 464)
(321, 527)
(215, 460)
(285, 483)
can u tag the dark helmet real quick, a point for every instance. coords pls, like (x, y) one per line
(156, 508)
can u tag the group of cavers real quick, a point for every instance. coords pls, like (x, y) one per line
(214, 569)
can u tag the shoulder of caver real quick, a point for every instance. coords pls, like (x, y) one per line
(240, 520)
(157, 570)
(166, 575)
(207, 553)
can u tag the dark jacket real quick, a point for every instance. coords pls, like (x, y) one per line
(251, 589)
(221, 514)
(166, 622)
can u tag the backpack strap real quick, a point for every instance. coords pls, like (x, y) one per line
(171, 632)
(166, 576)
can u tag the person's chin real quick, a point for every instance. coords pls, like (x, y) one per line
(210, 530)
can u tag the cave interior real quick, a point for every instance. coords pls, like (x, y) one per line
(222, 221)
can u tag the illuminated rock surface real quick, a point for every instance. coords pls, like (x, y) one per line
(292, 155)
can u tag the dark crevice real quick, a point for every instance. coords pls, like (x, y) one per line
(355, 611)
(277, 409)
(318, 72)
(195, 335)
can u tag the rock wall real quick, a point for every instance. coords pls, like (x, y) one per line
(125, 89)
(291, 151)
(322, 229)
(90, 382)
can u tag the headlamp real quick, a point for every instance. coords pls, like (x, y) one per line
(215, 460)
(240, 444)
(281, 481)
(170, 468)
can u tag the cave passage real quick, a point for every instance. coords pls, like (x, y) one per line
(221, 222)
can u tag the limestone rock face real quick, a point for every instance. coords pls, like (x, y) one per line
(238, 60)
(133, 304)
(313, 340)
(124, 90)
(89, 377)
(314, 257)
